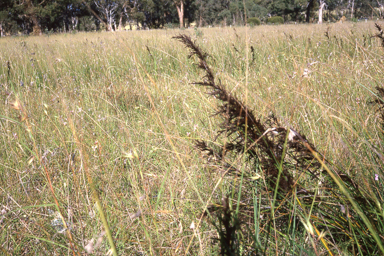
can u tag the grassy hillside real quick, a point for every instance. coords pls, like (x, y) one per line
(98, 135)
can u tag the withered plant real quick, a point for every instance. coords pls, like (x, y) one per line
(379, 34)
(278, 180)
(267, 146)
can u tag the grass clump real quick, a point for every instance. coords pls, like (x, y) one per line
(251, 149)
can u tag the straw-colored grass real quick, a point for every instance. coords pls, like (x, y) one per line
(113, 117)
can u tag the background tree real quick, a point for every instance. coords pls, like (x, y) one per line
(107, 9)
(212, 12)
(38, 16)
(159, 12)
(180, 11)
(28, 10)
(310, 6)
(92, 9)
(8, 19)
(322, 6)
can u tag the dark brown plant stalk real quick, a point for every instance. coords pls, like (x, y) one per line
(283, 155)
(380, 34)
(326, 33)
(266, 146)
(149, 51)
(8, 68)
(253, 55)
(234, 47)
(380, 103)
(260, 142)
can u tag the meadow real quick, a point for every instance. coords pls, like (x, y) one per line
(100, 137)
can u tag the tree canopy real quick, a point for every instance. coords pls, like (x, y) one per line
(40, 16)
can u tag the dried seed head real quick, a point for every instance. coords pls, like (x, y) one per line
(16, 105)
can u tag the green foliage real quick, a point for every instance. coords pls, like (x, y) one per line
(253, 21)
(275, 20)
(259, 11)
(225, 15)
(87, 23)
(34, 16)
(139, 17)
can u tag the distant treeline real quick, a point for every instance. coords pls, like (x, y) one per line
(45, 16)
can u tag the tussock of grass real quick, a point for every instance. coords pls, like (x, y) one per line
(279, 153)
(317, 80)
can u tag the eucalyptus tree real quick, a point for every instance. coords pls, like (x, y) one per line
(180, 11)
(212, 11)
(322, 5)
(185, 10)
(107, 9)
(33, 16)
(159, 12)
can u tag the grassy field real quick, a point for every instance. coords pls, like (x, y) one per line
(98, 134)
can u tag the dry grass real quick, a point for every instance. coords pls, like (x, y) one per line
(151, 181)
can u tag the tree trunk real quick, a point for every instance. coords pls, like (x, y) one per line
(322, 5)
(96, 15)
(308, 12)
(121, 22)
(1, 30)
(31, 14)
(180, 12)
(74, 22)
(352, 7)
(36, 26)
(380, 9)
(128, 20)
(109, 19)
